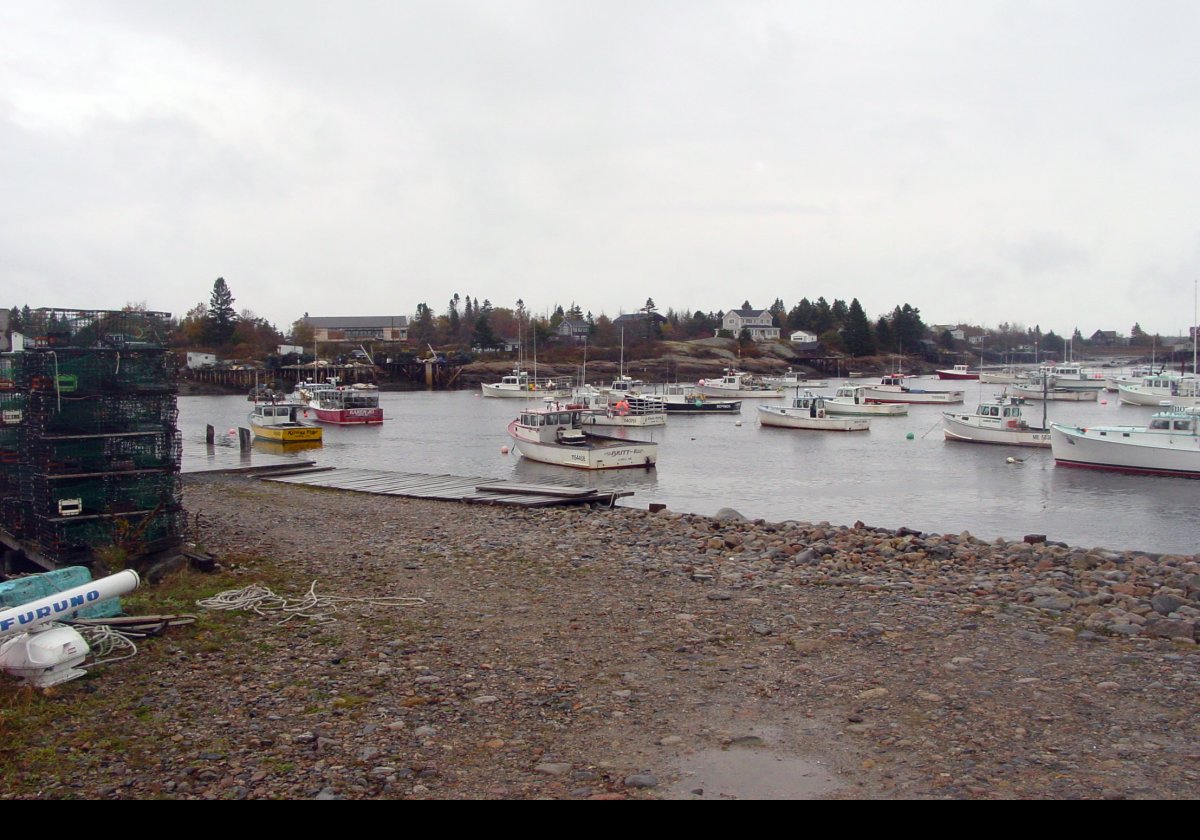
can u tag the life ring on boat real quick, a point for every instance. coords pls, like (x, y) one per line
(622, 408)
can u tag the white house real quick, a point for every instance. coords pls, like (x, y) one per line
(803, 337)
(758, 321)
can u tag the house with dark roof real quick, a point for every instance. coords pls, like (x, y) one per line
(640, 325)
(1107, 338)
(573, 330)
(359, 328)
(759, 322)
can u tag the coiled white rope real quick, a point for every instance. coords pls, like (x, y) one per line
(311, 606)
(104, 641)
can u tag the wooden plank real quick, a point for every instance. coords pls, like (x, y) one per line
(535, 490)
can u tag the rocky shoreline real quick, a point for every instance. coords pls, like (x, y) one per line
(568, 653)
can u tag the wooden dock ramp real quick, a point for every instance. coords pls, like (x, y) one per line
(455, 488)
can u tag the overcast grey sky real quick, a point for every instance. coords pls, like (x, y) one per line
(986, 161)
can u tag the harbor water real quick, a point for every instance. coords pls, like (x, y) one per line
(900, 473)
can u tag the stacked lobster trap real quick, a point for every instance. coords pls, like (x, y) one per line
(89, 443)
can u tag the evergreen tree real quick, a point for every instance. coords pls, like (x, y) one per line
(222, 317)
(857, 337)
(485, 338)
(452, 319)
(423, 327)
(885, 341)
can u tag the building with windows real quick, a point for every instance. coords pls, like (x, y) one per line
(759, 322)
(358, 328)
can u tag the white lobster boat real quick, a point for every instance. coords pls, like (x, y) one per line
(895, 389)
(851, 401)
(555, 435)
(520, 385)
(738, 385)
(1168, 445)
(792, 379)
(612, 408)
(808, 412)
(1038, 391)
(1163, 389)
(996, 421)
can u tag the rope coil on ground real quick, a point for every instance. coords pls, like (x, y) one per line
(104, 642)
(311, 606)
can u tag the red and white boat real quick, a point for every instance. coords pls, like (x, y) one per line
(958, 372)
(344, 405)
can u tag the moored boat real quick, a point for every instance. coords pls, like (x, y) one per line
(1038, 391)
(737, 384)
(1068, 376)
(1162, 389)
(995, 421)
(347, 405)
(794, 379)
(850, 400)
(611, 408)
(684, 399)
(895, 389)
(520, 385)
(958, 372)
(555, 435)
(1005, 376)
(278, 422)
(808, 412)
(1168, 445)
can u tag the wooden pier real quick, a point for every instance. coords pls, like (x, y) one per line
(478, 491)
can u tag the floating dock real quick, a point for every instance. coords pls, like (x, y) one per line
(479, 491)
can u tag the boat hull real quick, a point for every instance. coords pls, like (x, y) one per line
(529, 393)
(287, 434)
(851, 409)
(956, 375)
(349, 416)
(785, 418)
(1126, 450)
(741, 393)
(1058, 394)
(634, 421)
(705, 407)
(913, 397)
(960, 428)
(599, 452)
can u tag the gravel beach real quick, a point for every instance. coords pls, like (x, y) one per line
(580, 653)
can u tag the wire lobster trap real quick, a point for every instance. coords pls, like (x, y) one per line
(63, 328)
(75, 539)
(75, 372)
(54, 413)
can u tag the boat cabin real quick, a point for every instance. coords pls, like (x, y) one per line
(1174, 422)
(554, 425)
(275, 414)
(810, 403)
(851, 394)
